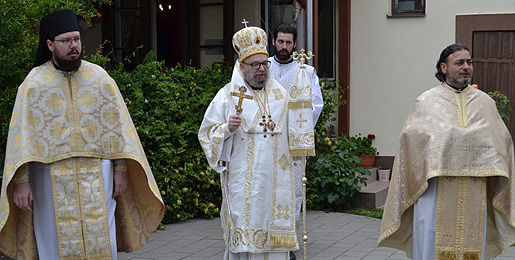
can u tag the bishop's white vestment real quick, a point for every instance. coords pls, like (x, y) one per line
(258, 209)
(287, 74)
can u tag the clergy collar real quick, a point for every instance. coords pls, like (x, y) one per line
(283, 62)
(458, 90)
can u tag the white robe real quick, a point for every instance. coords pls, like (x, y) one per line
(424, 224)
(286, 74)
(258, 210)
(43, 209)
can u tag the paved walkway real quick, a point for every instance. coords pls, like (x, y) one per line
(331, 236)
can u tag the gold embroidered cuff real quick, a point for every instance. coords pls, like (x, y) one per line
(22, 175)
(120, 166)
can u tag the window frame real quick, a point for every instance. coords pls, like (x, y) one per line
(407, 14)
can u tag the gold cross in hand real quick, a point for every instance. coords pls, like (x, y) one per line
(241, 95)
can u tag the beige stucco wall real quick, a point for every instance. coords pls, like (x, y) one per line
(393, 61)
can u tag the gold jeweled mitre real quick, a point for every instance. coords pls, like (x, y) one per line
(249, 41)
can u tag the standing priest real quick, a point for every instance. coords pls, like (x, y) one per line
(452, 190)
(77, 184)
(244, 135)
(286, 71)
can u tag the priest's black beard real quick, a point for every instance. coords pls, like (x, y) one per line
(68, 65)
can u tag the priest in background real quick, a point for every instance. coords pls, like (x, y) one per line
(244, 135)
(77, 183)
(452, 193)
(285, 70)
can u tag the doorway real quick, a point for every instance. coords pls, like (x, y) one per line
(491, 39)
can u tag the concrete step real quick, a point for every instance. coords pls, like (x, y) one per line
(374, 194)
(373, 175)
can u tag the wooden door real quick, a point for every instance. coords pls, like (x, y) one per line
(493, 55)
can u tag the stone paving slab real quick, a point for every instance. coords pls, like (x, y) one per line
(332, 236)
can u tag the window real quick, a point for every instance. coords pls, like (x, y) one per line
(285, 12)
(292, 12)
(131, 30)
(408, 8)
(327, 52)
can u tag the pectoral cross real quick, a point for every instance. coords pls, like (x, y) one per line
(241, 96)
(267, 125)
(302, 57)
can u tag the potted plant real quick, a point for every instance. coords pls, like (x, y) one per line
(383, 172)
(364, 149)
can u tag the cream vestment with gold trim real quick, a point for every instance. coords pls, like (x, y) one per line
(258, 211)
(460, 138)
(287, 74)
(69, 121)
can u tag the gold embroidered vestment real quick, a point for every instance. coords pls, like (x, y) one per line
(70, 121)
(460, 138)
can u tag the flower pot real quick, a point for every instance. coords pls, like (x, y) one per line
(384, 175)
(367, 160)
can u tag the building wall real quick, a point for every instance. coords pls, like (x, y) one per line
(393, 61)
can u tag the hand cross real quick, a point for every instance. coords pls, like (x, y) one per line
(241, 95)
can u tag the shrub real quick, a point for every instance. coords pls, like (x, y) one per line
(502, 104)
(334, 174)
(167, 106)
(364, 144)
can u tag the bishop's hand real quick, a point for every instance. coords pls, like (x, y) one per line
(234, 122)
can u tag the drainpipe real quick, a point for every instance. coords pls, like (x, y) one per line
(309, 31)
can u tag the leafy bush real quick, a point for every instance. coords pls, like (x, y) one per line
(502, 103)
(334, 174)
(167, 106)
(364, 144)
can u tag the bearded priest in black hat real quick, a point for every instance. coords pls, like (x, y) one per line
(76, 181)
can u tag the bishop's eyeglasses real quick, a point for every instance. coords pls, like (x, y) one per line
(257, 65)
(68, 41)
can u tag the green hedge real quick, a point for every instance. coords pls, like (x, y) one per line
(167, 106)
(334, 174)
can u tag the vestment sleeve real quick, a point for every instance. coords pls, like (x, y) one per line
(120, 165)
(316, 96)
(214, 135)
(22, 174)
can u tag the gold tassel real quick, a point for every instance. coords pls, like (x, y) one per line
(471, 256)
(302, 152)
(447, 255)
(282, 240)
